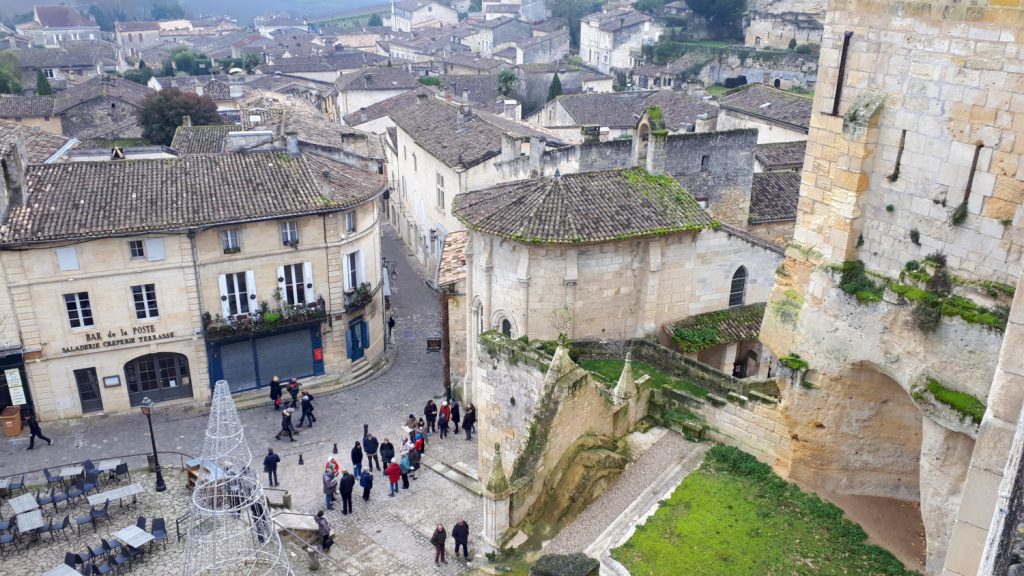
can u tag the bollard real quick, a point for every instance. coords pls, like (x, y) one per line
(314, 560)
(335, 448)
(300, 460)
(286, 500)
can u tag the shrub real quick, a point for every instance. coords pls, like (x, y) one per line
(794, 362)
(927, 314)
(855, 282)
(912, 265)
(959, 214)
(936, 258)
(578, 564)
(890, 208)
(915, 236)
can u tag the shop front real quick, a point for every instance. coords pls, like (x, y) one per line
(251, 361)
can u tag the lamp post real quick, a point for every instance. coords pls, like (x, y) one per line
(147, 409)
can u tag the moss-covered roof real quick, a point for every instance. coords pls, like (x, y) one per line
(719, 327)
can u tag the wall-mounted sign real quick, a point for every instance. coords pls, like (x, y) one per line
(15, 386)
(111, 381)
(116, 339)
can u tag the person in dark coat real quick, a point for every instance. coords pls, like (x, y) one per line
(345, 486)
(35, 432)
(275, 392)
(286, 424)
(366, 481)
(357, 459)
(442, 425)
(456, 415)
(325, 531)
(270, 462)
(293, 390)
(460, 533)
(370, 445)
(430, 413)
(387, 451)
(438, 541)
(307, 409)
(469, 421)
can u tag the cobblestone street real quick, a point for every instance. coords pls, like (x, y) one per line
(387, 536)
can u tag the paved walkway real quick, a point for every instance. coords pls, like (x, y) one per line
(387, 536)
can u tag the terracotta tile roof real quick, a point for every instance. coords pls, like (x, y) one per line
(125, 90)
(349, 186)
(79, 200)
(136, 26)
(769, 103)
(388, 106)
(202, 139)
(582, 208)
(216, 86)
(475, 61)
(39, 144)
(378, 78)
(62, 17)
(83, 55)
(617, 19)
(16, 106)
(774, 196)
(611, 109)
(781, 155)
(739, 324)
(453, 259)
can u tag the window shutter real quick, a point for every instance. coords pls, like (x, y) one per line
(307, 277)
(282, 286)
(348, 273)
(225, 308)
(364, 329)
(250, 285)
(67, 258)
(360, 269)
(155, 249)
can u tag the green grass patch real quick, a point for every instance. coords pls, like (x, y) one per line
(734, 517)
(609, 371)
(963, 403)
(716, 90)
(683, 415)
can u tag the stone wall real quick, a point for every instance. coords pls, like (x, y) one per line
(779, 233)
(102, 117)
(790, 69)
(776, 31)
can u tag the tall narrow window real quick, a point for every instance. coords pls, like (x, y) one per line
(229, 240)
(144, 298)
(235, 293)
(842, 73)
(294, 284)
(79, 309)
(440, 191)
(704, 161)
(506, 327)
(738, 288)
(350, 221)
(353, 270)
(290, 233)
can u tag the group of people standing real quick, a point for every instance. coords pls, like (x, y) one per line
(439, 420)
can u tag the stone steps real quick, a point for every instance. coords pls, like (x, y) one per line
(320, 385)
(458, 473)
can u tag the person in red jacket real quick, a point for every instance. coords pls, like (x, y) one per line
(394, 473)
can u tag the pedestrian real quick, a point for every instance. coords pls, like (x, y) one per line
(35, 432)
(430, 413)
(405, 467)
(286, 424)
(370, 445)
(366, 481)
(420, 445)
(330, 487)
(469, 421)
(275, 392)
(460, 533)
(345, 486)
(260, 521)
(438, 541)
(446, 411)
(442, 425)
(307, 409)
(387, 451)
(325, 531)
(391, 325)
(414, 461)
(394, 472)
(357, 459)
(270, 462)
(421, 431)
(456, 415)
(293, 390)
(332, 466)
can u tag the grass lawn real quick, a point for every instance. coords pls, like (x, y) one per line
(715, 90)
(610, 370)
(734, 517)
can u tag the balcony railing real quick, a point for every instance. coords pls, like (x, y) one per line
(359, 298)
(263, 321)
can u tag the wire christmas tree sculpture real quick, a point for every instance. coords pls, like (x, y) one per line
(230, 528)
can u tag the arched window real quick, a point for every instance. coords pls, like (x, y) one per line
(160, 376)
(506, 327)
(738, 289)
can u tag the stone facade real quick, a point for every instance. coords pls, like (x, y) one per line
(774, 23)
(925, 122)
(104, 116)
(614, 39)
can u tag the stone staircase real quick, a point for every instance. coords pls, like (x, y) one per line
(459, 473)
(319, 385)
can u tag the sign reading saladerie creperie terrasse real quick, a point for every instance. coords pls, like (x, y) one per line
(112, 339)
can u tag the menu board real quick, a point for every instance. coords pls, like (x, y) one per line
(15, 387)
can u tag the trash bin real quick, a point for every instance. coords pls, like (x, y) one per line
(11, 417)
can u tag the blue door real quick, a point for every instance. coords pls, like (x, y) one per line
(358, 339)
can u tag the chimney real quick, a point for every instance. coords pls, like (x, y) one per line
(199, 90)
(510, 147)
(656, 153)
(465, 96)
(465, 114)
(13, 164)
(509, 109)
(186, 120)
(705, 124)
(249, 141)
(537, 146)
(421, 98)
(292, 140)
(362, 115)
(591, 134)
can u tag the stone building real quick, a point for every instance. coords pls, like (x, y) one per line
(605, 255)
(613, 39)
(489, 36)
(366, 87)
(773, 24)
(73, 63)
(779, 116)
(543, 48)
(154, 278)
(409, 14)
(133, 37)
(32, 111)
(914, 175)
(51, 26)
(102, 107)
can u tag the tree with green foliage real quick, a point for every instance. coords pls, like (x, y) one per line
(162, 113)
(476, 5)
(507, 82)
(650, 6)
(375, 20)
(555, 89)
(43, 87)
(167, 10)
(140, 76)
(724, 16)
(168, 68)
(250, 62)
(573, 11)
(10, 72)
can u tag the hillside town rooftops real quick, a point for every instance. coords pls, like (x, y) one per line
(387, 107)
(739, 324)
(201, 139)
(100, 86)
(82, 54)
(769, 103)
(774, 197)
(781, 155)
(583, 208)
(61, 17)
(136, 26)
(378, 78)
(18, 106)
(39, 144)
(616, 19)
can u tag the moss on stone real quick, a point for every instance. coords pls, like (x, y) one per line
(794, 362)
(964, 404)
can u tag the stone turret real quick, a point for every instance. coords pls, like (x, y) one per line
(625, 389)
(497, 495)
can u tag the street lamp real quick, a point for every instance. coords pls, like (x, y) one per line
(147, 409)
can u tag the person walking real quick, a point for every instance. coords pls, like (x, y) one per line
(442, 425)
(325, 531)
(470, 421)
(391, 326)
(394, 472)
(307, 409)
(286, 424)
(456, 415)
(387, 451)
(366, 481)
(357, 459)
(345, 487)
(370, 445)
(34, 431)
(293, 390)
(270, 462)
(275, 392)
(430, 413)
(460, 533)
(438, 541)
(330, 487)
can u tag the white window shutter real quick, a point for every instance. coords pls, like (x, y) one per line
(67, 258)
(155, 249)
(361, 269)
(307, 278)
(225, 307)
(282, 286)
(348, 274)
(250, 285)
